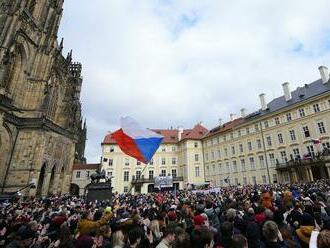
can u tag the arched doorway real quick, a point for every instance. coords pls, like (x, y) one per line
(51, 181)
(150, 188)
(74, 189)
(41, 180)
(60, 182)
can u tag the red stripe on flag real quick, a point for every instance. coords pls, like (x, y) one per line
(127, 145)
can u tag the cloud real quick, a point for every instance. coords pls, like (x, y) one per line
(169, 63)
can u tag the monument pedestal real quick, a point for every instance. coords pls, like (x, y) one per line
(99, 192)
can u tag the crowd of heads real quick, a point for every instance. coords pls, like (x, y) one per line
(296, 215)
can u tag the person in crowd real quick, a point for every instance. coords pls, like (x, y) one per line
(168, 238)
(239, 241)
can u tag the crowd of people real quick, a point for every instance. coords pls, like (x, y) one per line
(234, 217)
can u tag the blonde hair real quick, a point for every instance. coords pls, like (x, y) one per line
(118, 239)
(154, 227)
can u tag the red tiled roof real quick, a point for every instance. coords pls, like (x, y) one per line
(228, 126)
(171, 136)
(86, 166)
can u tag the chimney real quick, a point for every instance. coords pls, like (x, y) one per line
(180, 132)
(243, 114)
(232, 117)
(286, 91)
(263, 101)
(324, 74)
(220, 121)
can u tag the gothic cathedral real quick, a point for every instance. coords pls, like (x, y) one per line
(41, 129)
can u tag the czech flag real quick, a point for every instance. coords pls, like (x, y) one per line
(135, 141)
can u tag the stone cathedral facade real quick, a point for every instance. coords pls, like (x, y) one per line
(41, 129)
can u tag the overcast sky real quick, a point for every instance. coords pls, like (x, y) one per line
(176, 63)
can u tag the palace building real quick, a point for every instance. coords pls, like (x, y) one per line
(286, 140)
(180, 155)
(41, 129)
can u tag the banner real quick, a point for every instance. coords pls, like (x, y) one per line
(163, 182)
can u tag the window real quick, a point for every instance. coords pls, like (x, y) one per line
(125, 189)
(78, 174)
(249, 146)
(228, 167)
(272, 159)
(231, 135)
(109, 174)
(243, 164)
(207, 170)
(173, 148)
(262, 161)
(163, 173)
(233, 150)
(252, 164)
(126, 176)
(274, 178)
(163, 149)
(206, 156)
(138, 174)
(240, 147)
(266, 124)
(197, 172)
(302, 112)
(224, 138)
(196, 144)
(316, 108)
(310, 150)
(277, 120)
(105, 160)
(254, 180)
(173, 160)
(213, 168)
(151, 162)
(151, 174)
(259, 143)
(126, 161)
(110, 162)
(247, 130)
(212, 155)
(306, 131)
(138, 163)
(269, 141)
(174, 173)
(283, 156)
(220, 168)
(196, 157)
(326, 145)
(163, 161)
(296, 153)
(292, 135)
(256, 127)
(112, 149)
(236, 181)
(226, 152)
(219, 154)
(234, 166)
(244, 181)
(321, 127)
(288, 117)
(87, 174)
(218, 140)
(239, 133)
(264, 179)
(280, 138)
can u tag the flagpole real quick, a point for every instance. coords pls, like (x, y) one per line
(136, 179)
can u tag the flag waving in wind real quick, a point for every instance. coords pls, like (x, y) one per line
(136, 141)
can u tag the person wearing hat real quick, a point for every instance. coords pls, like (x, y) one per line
(305, 230)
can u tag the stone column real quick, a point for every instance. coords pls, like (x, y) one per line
(56, 183)
(294, 176)
(310, 174)
(45, 186)
(65, 184)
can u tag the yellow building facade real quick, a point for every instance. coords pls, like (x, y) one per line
(180, 156)
(287, 140)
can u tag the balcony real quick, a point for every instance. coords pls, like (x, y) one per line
(318, 158)
(142, 180)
